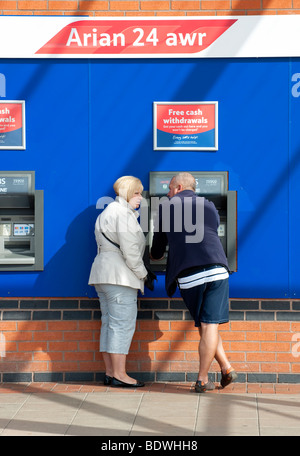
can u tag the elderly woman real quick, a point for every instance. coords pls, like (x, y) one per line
(117, 273)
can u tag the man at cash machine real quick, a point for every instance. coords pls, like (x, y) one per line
(199, 267)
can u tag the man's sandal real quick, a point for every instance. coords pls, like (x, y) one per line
(229, 376)
(201, 387)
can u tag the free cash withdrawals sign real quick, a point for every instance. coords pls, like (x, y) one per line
(69, 37)
(12, 124)
(185, 125)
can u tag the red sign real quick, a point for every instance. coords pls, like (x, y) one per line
(136, 37)
(10, 117)
(12, 125)
(183, 125)
(185, 119)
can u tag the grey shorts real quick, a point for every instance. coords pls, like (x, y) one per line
(118, 306)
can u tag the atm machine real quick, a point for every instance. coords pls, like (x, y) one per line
(213, 185)
(21, 222)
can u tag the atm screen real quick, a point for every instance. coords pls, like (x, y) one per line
(209, 185)
(160, 185)
(207, 182)
(14, 184)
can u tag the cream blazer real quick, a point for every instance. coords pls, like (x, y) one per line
(116, 266)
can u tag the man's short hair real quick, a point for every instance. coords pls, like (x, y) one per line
(186, 180)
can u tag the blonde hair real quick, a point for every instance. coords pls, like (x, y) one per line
(126, 186)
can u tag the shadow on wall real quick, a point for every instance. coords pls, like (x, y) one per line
(55, 350)
(66, 274)
(69, 268)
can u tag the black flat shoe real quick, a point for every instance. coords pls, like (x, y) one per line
(107, 380)
(116, 382)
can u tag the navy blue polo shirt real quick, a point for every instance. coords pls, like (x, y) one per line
(174, 226)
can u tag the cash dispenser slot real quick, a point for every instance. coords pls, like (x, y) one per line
(17, 246)
(17, 253)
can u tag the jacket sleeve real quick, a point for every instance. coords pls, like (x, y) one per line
(128, 233)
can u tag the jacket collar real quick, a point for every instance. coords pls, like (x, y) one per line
(184, 193)
(124, 203)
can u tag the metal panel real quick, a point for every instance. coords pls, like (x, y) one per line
(39, 232)
(232, 241)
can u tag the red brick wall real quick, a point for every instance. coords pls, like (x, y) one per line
(149, 7)
(58, 339)
(254, 348)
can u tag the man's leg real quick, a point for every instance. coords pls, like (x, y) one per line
(228, 374)
(221, 357)
(207, 348)
(216, 307)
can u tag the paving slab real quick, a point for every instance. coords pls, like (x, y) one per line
(157, 410)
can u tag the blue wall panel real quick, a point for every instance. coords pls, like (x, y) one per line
(90, 122)
(294, 180)
(252, 147)
(57, 149)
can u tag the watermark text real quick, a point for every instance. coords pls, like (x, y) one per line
(174, 216)
(2, 85)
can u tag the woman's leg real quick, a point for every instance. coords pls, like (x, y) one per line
(119, 368)
(119, 329)
(115, 366)
(109, 370)
(104, 330)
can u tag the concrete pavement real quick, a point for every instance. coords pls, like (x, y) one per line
(159, 409)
